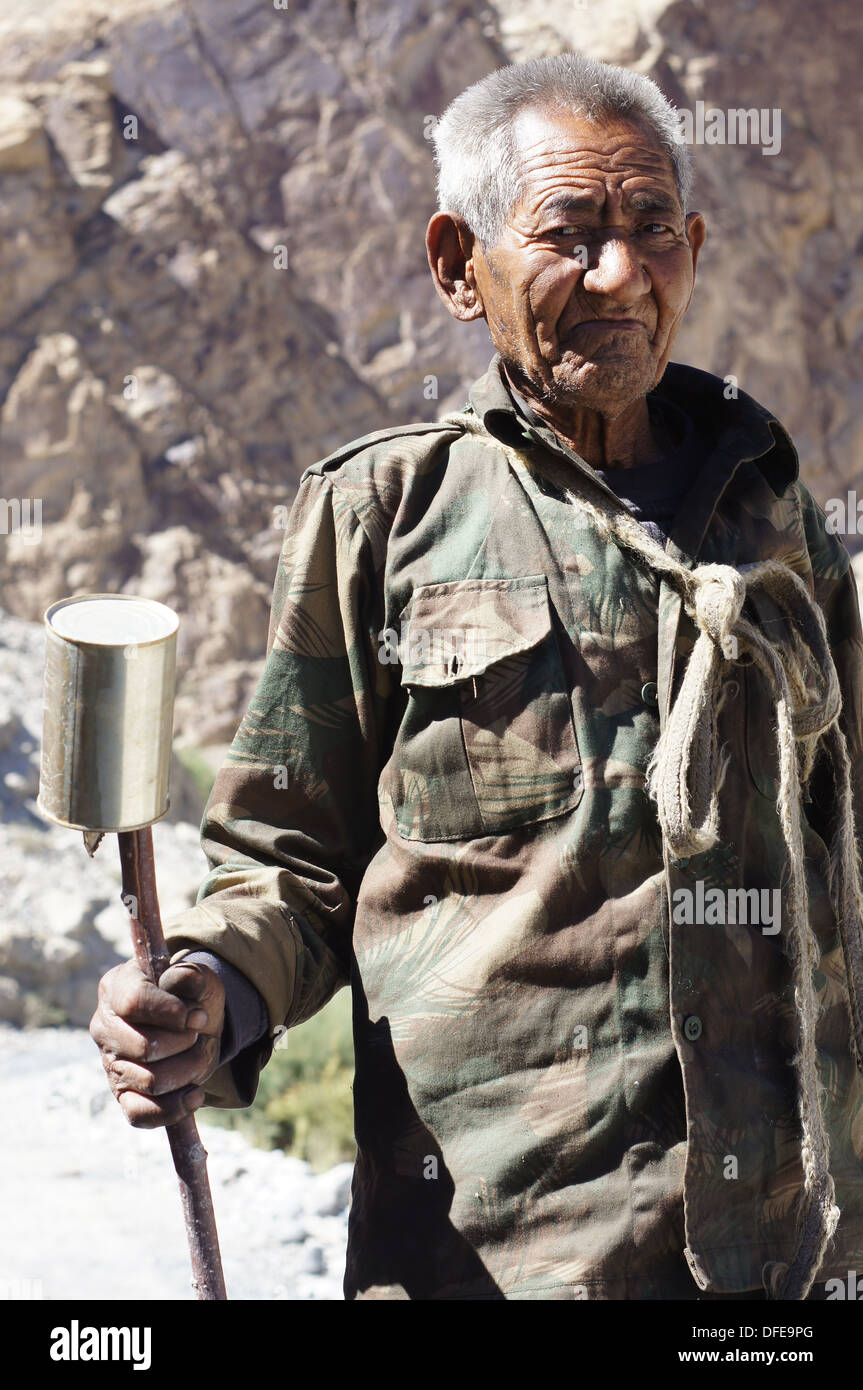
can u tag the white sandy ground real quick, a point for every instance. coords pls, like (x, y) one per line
(90, 1209)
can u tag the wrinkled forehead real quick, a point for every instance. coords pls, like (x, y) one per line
(556, 146)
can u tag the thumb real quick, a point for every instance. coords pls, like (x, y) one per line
(200, 986)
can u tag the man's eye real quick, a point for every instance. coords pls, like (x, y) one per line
(567, 231)
(655, 228)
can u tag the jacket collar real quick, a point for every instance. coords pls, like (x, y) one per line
(738, 429)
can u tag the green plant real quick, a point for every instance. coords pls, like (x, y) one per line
(304, 1102)
(201, 773)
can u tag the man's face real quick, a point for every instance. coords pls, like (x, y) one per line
(597, 337)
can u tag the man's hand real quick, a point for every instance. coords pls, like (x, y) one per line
(159, 1043)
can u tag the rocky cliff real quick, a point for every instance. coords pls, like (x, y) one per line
(211, 246)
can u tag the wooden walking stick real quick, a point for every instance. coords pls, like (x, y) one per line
(106, 757)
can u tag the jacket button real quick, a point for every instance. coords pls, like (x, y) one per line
(649, 693)
(692, 1028)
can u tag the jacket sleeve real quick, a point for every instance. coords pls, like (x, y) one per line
(836, 593)
(293, 820)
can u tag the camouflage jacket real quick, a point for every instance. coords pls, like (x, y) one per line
(437, 794)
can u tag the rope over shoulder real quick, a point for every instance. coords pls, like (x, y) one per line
(685, 776)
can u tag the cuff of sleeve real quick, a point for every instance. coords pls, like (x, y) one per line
(256, 937)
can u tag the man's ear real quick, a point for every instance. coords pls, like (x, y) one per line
(449, 246)
(696, 232)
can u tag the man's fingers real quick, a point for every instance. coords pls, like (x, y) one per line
(158, 1043)
(127, 993)
(145, 1112)
(141, 1044)
(190, 1068)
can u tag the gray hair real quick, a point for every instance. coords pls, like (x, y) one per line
(479, 175)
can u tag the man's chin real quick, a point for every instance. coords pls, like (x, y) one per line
(601, 383)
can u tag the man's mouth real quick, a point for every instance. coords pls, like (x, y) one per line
(629, 324)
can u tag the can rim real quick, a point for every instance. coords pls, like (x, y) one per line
(88, 641)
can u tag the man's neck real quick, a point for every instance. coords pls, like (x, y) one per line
(626, 441)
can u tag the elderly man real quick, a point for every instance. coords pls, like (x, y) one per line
(548, 762)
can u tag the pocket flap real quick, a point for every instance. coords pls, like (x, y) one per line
(453, 631)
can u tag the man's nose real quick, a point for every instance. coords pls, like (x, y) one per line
(615, 268)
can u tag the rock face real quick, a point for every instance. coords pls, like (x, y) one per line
(211, 246)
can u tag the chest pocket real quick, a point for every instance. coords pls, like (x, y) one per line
(487, 743)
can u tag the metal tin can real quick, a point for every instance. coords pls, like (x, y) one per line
(108, 712)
